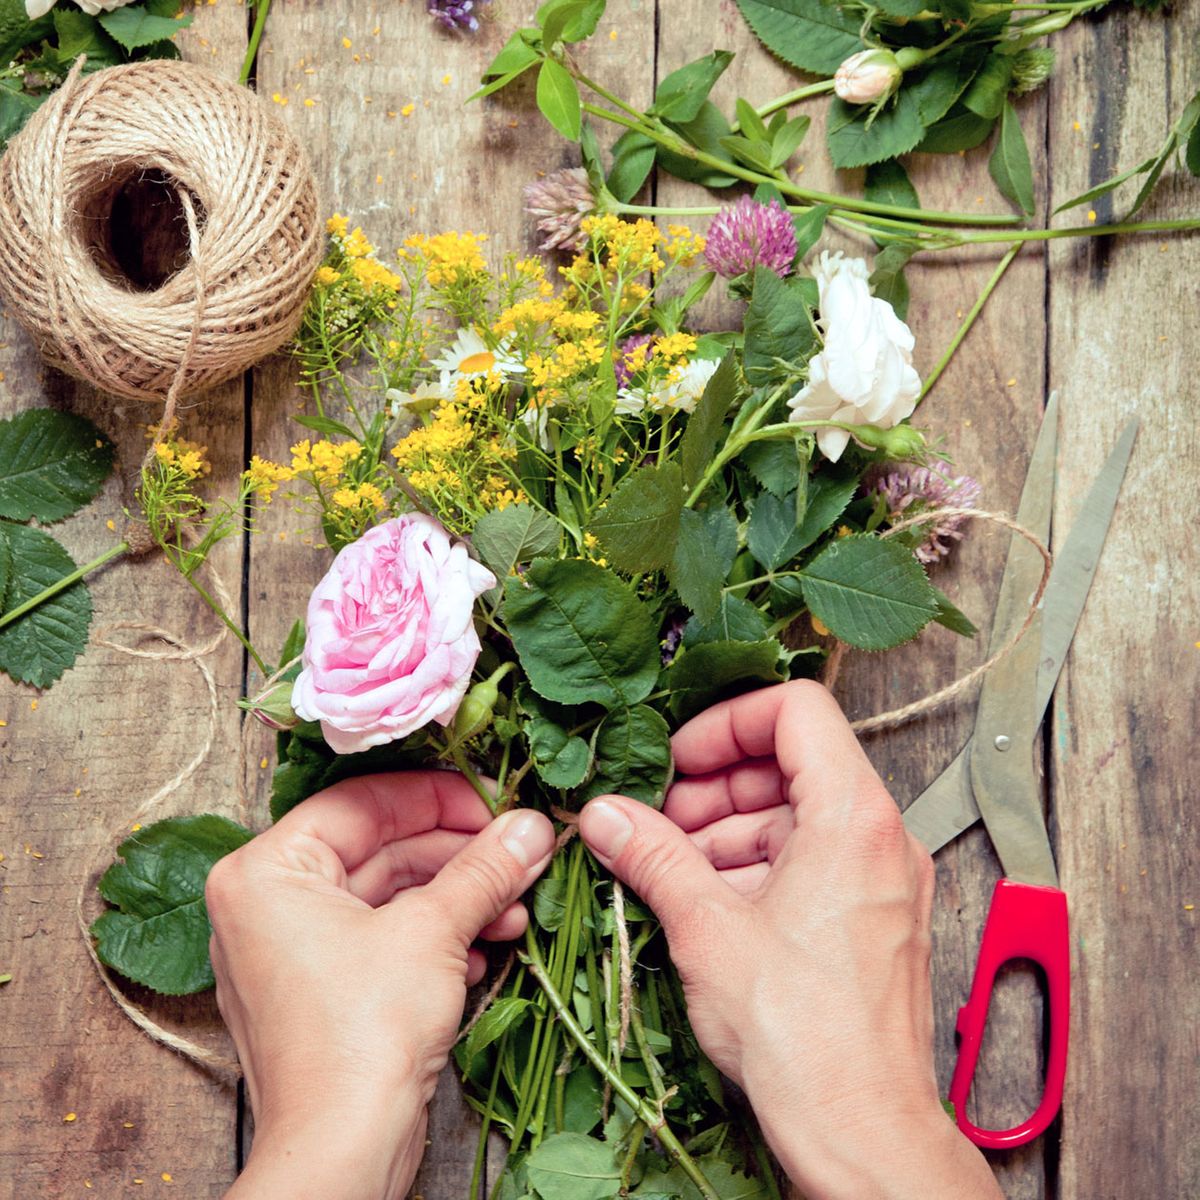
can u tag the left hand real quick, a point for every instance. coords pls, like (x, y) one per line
(342, 952)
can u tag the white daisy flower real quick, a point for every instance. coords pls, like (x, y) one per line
(631, 401)
(536, 419)
(470, 355)
(422, 398)
(687, 383)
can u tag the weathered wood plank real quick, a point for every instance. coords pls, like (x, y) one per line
(76, 762)
(1122, 316)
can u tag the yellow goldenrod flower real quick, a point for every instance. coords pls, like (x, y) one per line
(337, 225)
(356, 245)
(373, 274)
(326, 276)
(674, 346)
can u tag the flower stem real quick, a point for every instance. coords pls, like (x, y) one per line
(645, 1112)
(969, 320)
(61, 585)
(789, 98)
(460, 761)
(261, 8)
(227, 621)
(1046, 235)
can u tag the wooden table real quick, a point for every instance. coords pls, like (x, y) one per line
(1109, 324)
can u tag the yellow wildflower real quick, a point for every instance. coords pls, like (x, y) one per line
(576, 322)
(373, 274)
(450, 257)
(674, 346)
(364, 495)
(337, 225)
(356, 245)
(684, 245)
(329, 459)
(264, 477)
(327, 276)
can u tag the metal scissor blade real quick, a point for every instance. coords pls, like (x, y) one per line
(946, 807)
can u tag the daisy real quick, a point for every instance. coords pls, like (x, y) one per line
(423, 398)
(470, 355)
(686, 384)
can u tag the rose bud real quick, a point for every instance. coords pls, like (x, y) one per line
(475, 712)
(868, 76)
(901, 442)
(273, 706)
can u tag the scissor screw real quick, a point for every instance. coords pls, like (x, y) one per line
(1002, 741)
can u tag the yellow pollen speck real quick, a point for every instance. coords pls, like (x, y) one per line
(79, 791)
(33, 705)
(612, 36)
(87, 1183)
(126, 1124)
(37, 854)
(1095, 145)
(262, 762)
(1075, 125)
(278, 99)
(4, 723)
(69, 1118)
(1189, 908)
(135, 827)
(408, 109)
(139, 1181)
(378, 179)
(309, 102)
(1196, 644)
(111, 524)
(1091, 214)
(347, 42)
(819, 627)
(375, 31)
(358, 58)
(446, 79)
(166, 1177)
(1011, 383)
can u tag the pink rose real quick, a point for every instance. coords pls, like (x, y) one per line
(391, 641)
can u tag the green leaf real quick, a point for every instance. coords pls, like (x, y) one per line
(569, 20)
(827, 500)
(808, 34)
(134, 28)
(79, 33)
(5, 566)
(1009, 164)
(326, 425)
(683, 92)
(870, 592)
(888, 183)
(638, 525)
(704, 132)
(989, 89)
(558, 99)
(703, 555)
(633, 756)
(772, 534)
(516, 56)
(1192, 152)
(748, 153)
(937, 89)
(157, 932)
(38, 647)
(504, 538)
(887, 278)
(583, 1099)
(959, 129)
(581, 634)
(15, 109)
(778, 326)
(17, 31)
(737, 620)
(1107, 186)
(503, 1014)
(633, 157)
(750, 123)
(571, 1166)
(809, 227)
(951, 617)
(51, 464)
(775, 464)
(710, 671)
(550, 903)
(901, 9)
(560, 758)
(855, 140)
(704, 425)
(787, 140)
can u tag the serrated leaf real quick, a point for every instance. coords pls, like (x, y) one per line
(51, 464)
(959, 129)
(937, 89)
(855, 140)
(518, 533)
(1009, 164)
(870, 592)
(887, 278)
(133, 27)
(711, 671)
(571, 1166)
(16, 107)
(736, 620)
(561, 759)
(157, 931)
(581, 634)
(704, 425)
(888, 183)
(808, 34)
(703, 555)
(38, 647)
(80, 33)
(681, 95)
(633, 756)
(826, 501)
(772, 535)
(639, 524)
(558, 99)
(776, 465)
(778, 325)
(504, 1013)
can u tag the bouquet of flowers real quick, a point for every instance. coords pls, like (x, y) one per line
(564, 524)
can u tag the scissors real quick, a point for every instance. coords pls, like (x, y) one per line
(993, 776)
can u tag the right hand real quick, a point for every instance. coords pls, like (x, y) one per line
(797, 911)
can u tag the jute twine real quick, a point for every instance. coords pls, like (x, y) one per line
(248, 199)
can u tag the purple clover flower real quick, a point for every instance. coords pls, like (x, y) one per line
(560, 201)
(621, 366)
(908, 488)
(749, 235)
(455, 15)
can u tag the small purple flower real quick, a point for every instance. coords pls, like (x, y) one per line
(621, 366)
(750, 235)
(909, 488)
(560, 201)
(455, 15)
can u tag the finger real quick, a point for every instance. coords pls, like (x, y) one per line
(744, 787)
(650, 853)
(476, 966)
(747, 881)
(356, 817)
(411, 862)
(799, 723)
(745, 838)
(508, 926)
(491, 872)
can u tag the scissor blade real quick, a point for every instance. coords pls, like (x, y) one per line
(1001, 752)
(946, 807)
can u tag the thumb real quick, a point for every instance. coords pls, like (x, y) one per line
(650, 853)
(489, 873)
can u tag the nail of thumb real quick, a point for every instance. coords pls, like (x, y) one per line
(605, 828)
(527, 836)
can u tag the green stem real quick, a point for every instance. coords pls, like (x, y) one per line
(969, 320)
(790, 98)
(644, 1111)
(481, 1144)
(460, 761)
(229, 624)
(261, 8)
(1048, 235)
(62, 584)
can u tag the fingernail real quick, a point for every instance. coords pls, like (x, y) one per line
(605, 828)
(528, 837)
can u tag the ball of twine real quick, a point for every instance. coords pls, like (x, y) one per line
(248, 200)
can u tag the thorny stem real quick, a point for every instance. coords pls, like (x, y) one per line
(645, 1112)
(61, 585)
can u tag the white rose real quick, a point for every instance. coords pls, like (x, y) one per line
(864, 373)
(39, 8)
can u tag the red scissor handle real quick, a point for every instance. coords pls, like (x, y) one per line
(1024, 921)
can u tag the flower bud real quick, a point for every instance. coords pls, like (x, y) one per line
(868, 76)
(273, 706)
(474, 714)
(902, 443)
(1031, 68)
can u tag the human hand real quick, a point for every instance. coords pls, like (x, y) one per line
(342, 951)
(797, 911)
